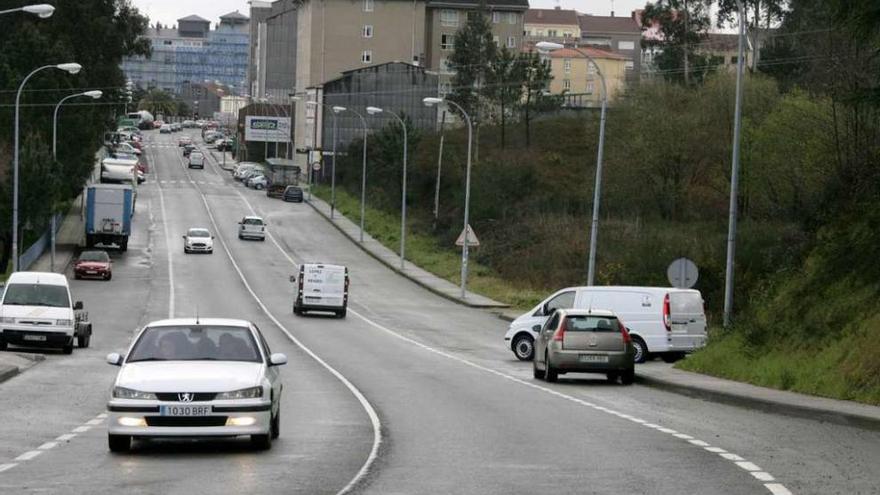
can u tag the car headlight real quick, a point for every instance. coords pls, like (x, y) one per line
(127, 393)
(64, 323)
(7, 319)
(245, 393)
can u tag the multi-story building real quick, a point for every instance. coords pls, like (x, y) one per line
(578, 79)
(203, 98)
(621, 35)
(193, 53)
(272, 73)
(556, 25)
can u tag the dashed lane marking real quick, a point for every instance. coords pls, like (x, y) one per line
(81, 429)
(28, 455)
(4, 467)
(66, 437)
(47, 446)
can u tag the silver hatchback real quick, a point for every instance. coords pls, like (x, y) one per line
(584, 341)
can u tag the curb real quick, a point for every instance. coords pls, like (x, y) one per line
(394, 268)
(765, 405)
(8, 373)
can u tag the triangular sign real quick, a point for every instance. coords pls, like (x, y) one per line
(472, 238)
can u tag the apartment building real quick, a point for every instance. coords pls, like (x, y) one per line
(556, 25)
(578, 79)
(621, 35)
(272, 73)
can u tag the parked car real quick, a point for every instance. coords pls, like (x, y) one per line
(196, 160)
(212, 136)
(252, 227)
(176, 127)
(93, 264)
(198, 240)
(225, 144)
(251, 174)
(662, 321)
(257, 181)
(188, 148)
(245, 168)
(196, 377)
(157, 124)
(293, 194)
(128, 148)
(165, 129)
(584, 341)
(184, 140)
(321, 287)
(188, 124)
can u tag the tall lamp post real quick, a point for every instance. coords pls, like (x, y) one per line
(374, 111)
(546, 46)
(91, 94)
(734, 173)
(467, 188)
(71, 68)
(336, 109)
(363, 173)
(41, 10)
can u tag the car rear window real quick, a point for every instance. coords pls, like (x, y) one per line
(591, 324)
(253, 221)
(688, 303)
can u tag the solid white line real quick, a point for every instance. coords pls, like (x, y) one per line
(716, 450)
(81, 429)
(167, 247)
(699, 443)
(94, 422)
(47, 446)
(731, 457)
(748, 466)
(762, 476)
(777, 489)
(5, 467)
(371, 412)
(28, 455)
(66, 437)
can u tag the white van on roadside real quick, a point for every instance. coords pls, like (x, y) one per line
(321, 287)
(662, 321)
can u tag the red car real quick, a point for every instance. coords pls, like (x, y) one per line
(93, 264)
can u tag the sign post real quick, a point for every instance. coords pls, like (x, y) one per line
(471, 237)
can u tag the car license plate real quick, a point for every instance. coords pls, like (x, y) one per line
(34, 338)
(91, 272)
(184, 410)
(679, 327)
(593, 358)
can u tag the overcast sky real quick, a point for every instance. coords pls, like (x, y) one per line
(168, 11)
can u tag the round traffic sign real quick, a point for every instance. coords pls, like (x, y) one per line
(316, 166)
(682, 273)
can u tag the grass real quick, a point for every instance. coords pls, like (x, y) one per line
(424, 251)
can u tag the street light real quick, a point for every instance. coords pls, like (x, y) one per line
(336, 109)
(91, 94)
(41, 10)
(363, 171)
(430, 101)
(71, 68)
(546, 46)
(374, 111)
(734, 173)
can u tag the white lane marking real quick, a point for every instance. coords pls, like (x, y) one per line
(28, 455)
(47, 446)
(667, 430)
(66, 437)
(731, 457)
(371, 412)
(716, 450)
(4, 467)
(698, 443)
(748, 466)
(762, 476)
(94, 422)
(777, 489)
(167, 247)
(81, 429)
(102, 415)
(683, 436)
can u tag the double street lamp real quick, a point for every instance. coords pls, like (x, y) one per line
(91, 94)
(336, 110)
(71, 68)
(546, 47)
(430, 101)
(374, 111)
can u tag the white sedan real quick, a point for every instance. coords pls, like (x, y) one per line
(198, 240)
(191, 377)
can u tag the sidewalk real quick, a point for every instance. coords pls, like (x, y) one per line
(67, 241)
(391, 259)
(230, 161)
(12, 363)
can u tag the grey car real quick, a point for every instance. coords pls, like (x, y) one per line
(584, 341)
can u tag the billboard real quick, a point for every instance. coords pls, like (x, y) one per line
(266, 128)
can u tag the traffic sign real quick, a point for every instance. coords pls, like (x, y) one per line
(682, 273)
(316, 166)
(472, 238)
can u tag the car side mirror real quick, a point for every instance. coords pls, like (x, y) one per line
(277, 359)
(545, 309)
(183, 236)
(115, 359)
(212, 237)
(78, 305)
(536, 328)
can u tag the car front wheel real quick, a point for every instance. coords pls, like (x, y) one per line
(524, 347)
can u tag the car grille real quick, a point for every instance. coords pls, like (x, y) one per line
(182, 421)
(198, 244)
(197, 397)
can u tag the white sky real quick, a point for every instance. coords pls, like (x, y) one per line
(168, 11)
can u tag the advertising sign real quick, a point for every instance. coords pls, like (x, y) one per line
(266, 128)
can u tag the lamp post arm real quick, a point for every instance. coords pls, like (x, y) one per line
(55, 123)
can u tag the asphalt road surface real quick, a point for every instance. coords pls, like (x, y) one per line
(409, 394)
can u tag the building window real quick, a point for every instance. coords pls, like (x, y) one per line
(551, 33)
(591, 69)
(733, 61)
(166, 42)
(497, 41)
(589, 88)
(511, 42)
(598, 41)
(566, 64)
(566, 84)
(629, 65)
(368, 31)
(444, 65)
(539, 32)
(368, 5)
(496, 17)
(626, 45)
(566, 34)
(447, 41)
(367, 56)
(512, 17)
(449, 18)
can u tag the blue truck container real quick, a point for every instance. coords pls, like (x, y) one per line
(108, 212)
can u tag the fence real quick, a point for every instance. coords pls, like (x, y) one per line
(36, 249)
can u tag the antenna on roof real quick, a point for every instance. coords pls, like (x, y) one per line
(197, 314)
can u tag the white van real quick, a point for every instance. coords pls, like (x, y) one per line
(37, 311)
(662, 321)
(321, 287)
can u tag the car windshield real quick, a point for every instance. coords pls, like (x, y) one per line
(195, 343)
(94, 256)
(198, 233)
(579, 323)
(54, 296)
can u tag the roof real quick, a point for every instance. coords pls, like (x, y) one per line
(587, 312)
(235, 15)
(604, 24)
(226, 322)
(395, 62)
(551, 16)
(720, 42)
(629, 288)
(47, 278)
(579, 53)
(281, 163)
(193, 18)
(496, 4)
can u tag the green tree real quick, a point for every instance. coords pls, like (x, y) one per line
(683, 23)
(158, 102)
(474, 51)
(760, 15)
(505, 83)
(537, 77)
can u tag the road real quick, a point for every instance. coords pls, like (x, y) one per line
(411, 393)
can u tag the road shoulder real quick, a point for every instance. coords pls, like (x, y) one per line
(13, 363)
